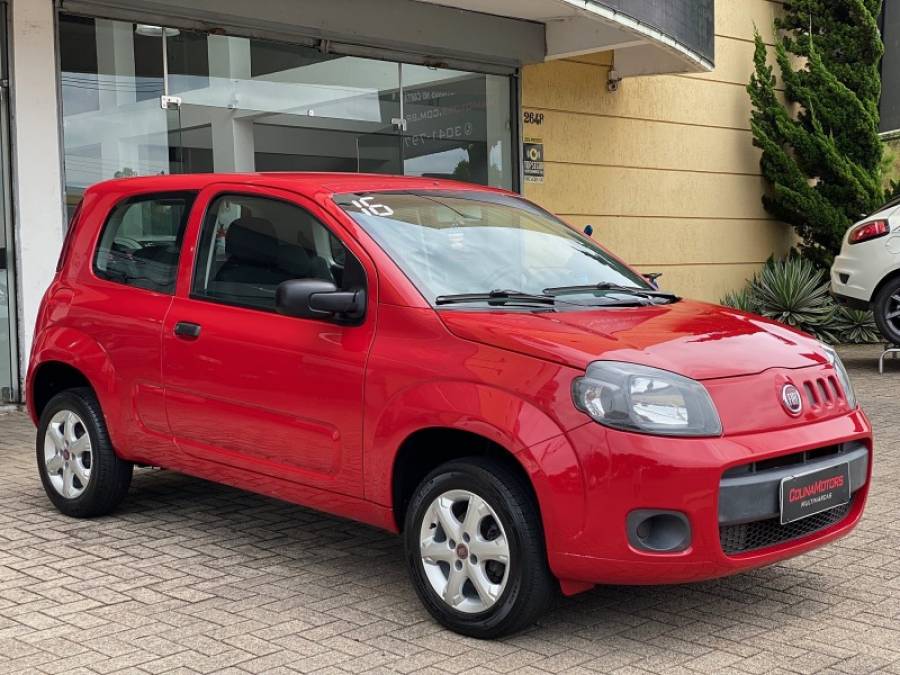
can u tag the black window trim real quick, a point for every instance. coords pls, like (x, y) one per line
(195, 269)
(190, 197)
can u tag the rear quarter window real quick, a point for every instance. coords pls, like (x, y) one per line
(141, 241)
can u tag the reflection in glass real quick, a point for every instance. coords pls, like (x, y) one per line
(5, 323)
(457, 125)
(113, 125)
(250, 104)
(452, 242)
(8, 351)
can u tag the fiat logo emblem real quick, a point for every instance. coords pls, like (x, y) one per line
(791, 400)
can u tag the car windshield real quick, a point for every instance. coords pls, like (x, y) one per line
(451, 243)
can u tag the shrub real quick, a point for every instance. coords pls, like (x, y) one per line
(795, 292)
(856, 326)
(742, 300)
(821, 152)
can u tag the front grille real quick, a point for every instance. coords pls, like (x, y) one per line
(822, 392)
(762, 533)
(782, 461)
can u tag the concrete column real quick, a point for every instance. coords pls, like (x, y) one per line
(232, 140)
(232, 135)
(115, 63)
(118, 89)
(39, 210)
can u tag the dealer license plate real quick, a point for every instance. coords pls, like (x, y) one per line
(807, 494)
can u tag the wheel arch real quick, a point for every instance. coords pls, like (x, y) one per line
(63, 358)
(435, 422)
(428, 448)
(49, 379)
(892, 275)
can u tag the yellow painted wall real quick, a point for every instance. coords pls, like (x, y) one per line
(664, 168)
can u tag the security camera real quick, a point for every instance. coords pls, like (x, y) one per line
(613, 80)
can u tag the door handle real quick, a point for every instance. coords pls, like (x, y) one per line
(187, 329)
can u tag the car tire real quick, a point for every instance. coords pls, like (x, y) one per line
(80, 471)
(885, 303)
(495, 598)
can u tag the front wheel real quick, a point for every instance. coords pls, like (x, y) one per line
(475, 549)
(886, 308)
(81, 473)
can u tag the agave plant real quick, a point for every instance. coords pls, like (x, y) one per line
(795, 292)
(742, 300)
(855, 326)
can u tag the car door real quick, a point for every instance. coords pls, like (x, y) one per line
(124, 292)
(246, 386)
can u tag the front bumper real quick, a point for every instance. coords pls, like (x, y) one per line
(731, 530)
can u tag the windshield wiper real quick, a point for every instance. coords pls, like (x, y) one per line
(606, 286)
(497, 297)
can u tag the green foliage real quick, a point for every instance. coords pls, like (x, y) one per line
(795, 292)
(855, 325)
(893, 190)
(742, 300)
(821, 153)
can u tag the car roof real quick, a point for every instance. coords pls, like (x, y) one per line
(307, 183)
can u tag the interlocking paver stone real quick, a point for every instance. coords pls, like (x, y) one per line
(193, 577)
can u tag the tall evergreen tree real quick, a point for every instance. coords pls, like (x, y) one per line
(821, 152)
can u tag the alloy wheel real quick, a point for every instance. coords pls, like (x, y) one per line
(892, 313)
(464, 551)
(68, 454)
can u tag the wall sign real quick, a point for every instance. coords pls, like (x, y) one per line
(533, 160)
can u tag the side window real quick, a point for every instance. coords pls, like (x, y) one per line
(141, 241)
(249, 245)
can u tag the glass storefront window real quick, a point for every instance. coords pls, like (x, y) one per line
(457, 125)
(249, 104)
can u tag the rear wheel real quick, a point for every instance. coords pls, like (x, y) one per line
(475, 549)
(81, 473)
(886, 308)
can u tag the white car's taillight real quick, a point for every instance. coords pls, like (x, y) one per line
(870, 230)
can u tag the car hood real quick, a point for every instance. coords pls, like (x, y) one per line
(695, 339)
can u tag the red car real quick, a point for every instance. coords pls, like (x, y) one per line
(444, 361)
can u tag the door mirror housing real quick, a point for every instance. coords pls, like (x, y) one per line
(319, 299)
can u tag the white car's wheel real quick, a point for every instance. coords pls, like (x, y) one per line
(886, 308)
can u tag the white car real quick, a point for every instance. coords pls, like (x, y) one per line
(867, 272)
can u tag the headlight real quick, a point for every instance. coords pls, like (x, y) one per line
(842, 375)
(648, 400)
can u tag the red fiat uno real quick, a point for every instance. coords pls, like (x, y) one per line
(445, 361)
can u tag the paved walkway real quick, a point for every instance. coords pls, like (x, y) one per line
(193, 577)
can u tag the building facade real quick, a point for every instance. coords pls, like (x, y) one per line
(630, 116)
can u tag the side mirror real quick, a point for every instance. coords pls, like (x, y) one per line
(652, 277)
(319, 299)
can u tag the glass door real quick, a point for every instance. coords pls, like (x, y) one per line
(9, 373)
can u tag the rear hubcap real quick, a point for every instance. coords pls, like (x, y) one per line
(68, 455)
(464, 551)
